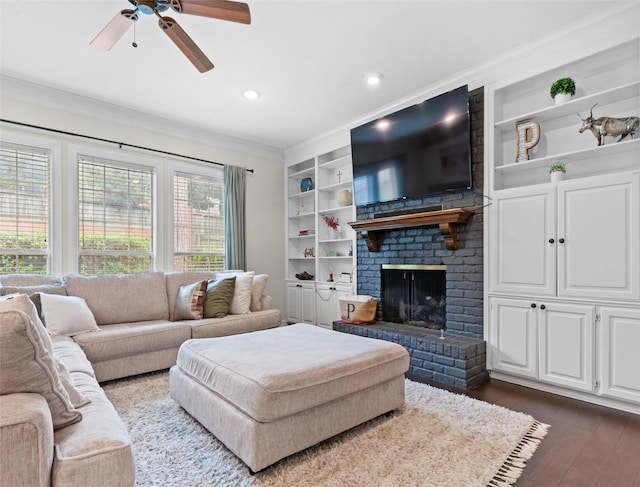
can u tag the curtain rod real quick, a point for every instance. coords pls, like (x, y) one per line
(120, 144)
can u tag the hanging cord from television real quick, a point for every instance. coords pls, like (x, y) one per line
(475, 208)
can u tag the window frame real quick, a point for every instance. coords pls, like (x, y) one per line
(64, 217)
(55, 232)
(117, 158)
(195, 175)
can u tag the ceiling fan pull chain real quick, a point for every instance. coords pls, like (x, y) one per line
(134, 43)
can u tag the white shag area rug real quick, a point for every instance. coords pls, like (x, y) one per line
(437, 439)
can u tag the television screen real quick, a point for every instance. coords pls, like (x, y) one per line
(420, 150)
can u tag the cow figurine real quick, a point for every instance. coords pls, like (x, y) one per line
(603, 126)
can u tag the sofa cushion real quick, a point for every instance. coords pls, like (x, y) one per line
(71, 354)
(96, 451)
(235, 324)
(218, 297)
(67, 315)
(29, 366)
(241, 302)
(34, 292)
(30, 280)
(257, 290)
(127, 339)
(26, 436)
(176, 279)
(125, 298)
(189, 301)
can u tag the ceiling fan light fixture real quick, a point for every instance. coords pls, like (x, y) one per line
(373, 79)
(251, 94)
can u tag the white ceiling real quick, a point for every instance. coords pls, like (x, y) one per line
(306, 58)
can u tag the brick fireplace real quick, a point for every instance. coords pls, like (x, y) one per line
(457, 355)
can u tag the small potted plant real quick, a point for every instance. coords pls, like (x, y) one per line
(562, 90)
(557, 170)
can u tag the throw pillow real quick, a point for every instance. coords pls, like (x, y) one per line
(67, 315)
(189, 301)
(218, 298)
(34, 293)
(257, 290)
(27, 361)
(241, 302)
(77, 398)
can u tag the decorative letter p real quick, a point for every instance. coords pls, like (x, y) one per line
(527, 136)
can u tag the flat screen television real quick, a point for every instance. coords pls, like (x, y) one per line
(418, 151)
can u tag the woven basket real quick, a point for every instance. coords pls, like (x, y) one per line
(359, 310)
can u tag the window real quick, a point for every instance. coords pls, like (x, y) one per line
(198, 223)
(116, 211)
(25, 180)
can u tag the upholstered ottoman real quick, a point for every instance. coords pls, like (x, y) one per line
(272, 393)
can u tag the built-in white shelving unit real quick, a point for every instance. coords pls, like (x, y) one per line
(563, 265)
(312, 246)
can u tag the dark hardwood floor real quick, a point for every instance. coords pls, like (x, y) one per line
(587, 444)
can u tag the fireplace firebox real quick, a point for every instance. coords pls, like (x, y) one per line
(414, 295)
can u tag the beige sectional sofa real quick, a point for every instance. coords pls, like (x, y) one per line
(135, 331)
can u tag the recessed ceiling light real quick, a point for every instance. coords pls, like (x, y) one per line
(251, 94)
(373, 79)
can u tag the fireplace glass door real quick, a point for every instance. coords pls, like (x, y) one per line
(415, 295)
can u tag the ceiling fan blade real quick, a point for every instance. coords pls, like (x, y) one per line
(217, 9)
(185, 44)
(114, 30)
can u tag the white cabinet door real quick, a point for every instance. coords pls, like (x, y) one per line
(599, 238)
(522, 242)
(513, 337)
(300, 303)
(328, 305)
(566, 345)
(620, 357)
(307, 303)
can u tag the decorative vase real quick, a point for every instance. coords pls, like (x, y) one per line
(345, 198)
(334, 233)
(306, 184)
(556, 176)
(561, 98)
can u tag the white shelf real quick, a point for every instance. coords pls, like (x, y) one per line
(572, 157)
(582, 104)
(337, 186)
(302, 194)
(341, 161)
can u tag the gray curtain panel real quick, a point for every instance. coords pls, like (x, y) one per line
(235, 179)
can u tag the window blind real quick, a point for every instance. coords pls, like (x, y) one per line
(198, 222)
(25, 181)
(116, 210)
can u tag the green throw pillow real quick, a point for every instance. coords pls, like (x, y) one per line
(218, 297)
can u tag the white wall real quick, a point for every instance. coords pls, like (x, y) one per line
(265, 204)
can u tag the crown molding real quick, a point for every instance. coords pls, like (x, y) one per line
(34, 93)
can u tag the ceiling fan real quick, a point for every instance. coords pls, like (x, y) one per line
(217, 9)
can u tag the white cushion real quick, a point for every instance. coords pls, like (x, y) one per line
(257, 290)
(241, 302)
(67, 315)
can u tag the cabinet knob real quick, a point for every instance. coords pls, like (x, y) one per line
(551, 240)
(542, 306)
(533, 305)
(561, 240)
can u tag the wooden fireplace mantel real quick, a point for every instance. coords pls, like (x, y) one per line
(447, 220)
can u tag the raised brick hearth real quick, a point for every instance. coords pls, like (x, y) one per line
(456, 361)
